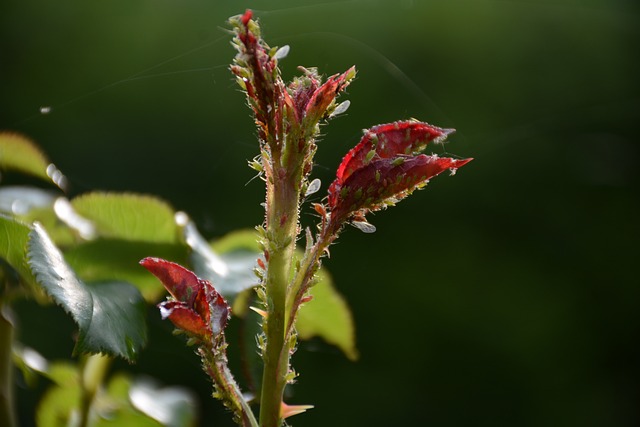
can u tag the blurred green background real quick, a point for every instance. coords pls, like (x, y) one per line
(504, 296)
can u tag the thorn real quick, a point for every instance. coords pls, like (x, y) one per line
(291, 410)
(259, 311)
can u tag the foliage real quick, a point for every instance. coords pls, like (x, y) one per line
(82, 253)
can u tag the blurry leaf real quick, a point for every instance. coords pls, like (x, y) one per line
(104, 259)
(20, 200)
(14, 236)
(29, 362)
(110, 315)
(237, 240)
(59, 232)
(229, 270)
(170, 406)
(128, 216)
(113, 408)
(63, 373)
(328, 316)
(59, 406)
(20, 154)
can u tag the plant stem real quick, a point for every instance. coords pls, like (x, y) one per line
(282, 222)
(7, 414)
(215, 364)
(308, 268)
(94, 370)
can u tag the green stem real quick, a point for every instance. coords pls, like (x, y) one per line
(216, 366)
(7, 414)
(282, 222)
(94, 370)
(308, 268)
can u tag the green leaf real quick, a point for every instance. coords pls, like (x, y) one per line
(31, 204)
(236, 241)
(328, 316)
(170, 406)
(57, 407)
(20, 154)
(110, 315)
(20, 200)
(127, 216)
(106, 259)
(14, 236)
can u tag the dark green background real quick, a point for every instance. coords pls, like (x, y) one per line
(505, 296)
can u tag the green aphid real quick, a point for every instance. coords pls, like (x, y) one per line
(344, 191)
(369, 156)
(397, 161)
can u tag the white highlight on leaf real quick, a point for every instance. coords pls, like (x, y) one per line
(200, 245)
(33, 359)
(57, 176)
(164, 312)
(313, 187)
(67, 214)
(166, 405)
(18, 200)
(45, 110)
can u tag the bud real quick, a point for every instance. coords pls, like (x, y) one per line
(194, 306)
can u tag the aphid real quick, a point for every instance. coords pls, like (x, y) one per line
(364, 226)
(313, 187)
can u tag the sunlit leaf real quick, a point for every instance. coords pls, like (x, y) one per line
(170, 406)
(110, 315)
(20, 154)
(230, 269)
(14, 236)
(20, 200)
(328, 316)
(54, 211)
(126, 400)
(59, 406)
(127, 216)
(108, 259)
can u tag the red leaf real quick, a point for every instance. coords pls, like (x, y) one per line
(389, 140)
(181, 283)
(384, 181)
(184, 318)
(199, 308)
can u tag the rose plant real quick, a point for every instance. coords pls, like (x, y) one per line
(82, 252)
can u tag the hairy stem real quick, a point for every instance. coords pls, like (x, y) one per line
(7, 414)
(282, 223)
(308, 268)
(216, 366)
